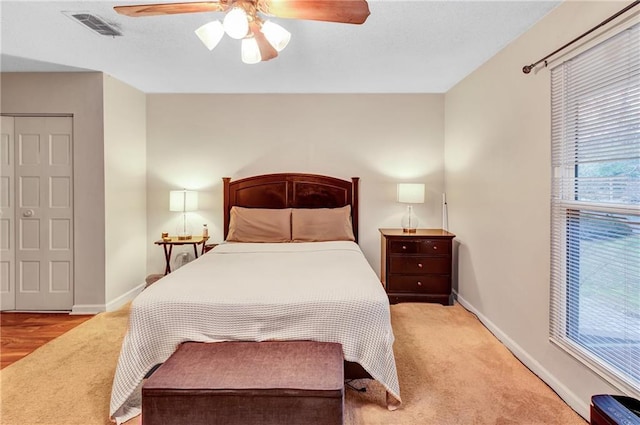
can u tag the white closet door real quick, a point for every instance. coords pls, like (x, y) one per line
(7, 217)
(44, 213)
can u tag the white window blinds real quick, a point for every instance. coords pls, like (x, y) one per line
(595, 208)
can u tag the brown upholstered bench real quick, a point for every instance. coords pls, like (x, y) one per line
(247, 383)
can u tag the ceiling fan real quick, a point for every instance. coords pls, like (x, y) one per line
(261, 40)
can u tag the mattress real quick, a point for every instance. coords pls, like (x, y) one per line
(320, 291)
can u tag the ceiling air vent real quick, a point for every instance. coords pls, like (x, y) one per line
(94, 23)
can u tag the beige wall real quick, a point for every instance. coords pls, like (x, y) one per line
(497, 171)
(195, 140)
(125, 141)
(79, 94)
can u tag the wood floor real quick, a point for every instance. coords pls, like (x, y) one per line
(22, 333)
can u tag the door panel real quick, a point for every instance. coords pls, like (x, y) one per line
(29, 277)
(60, 192)
(60, 276)
(60, 230)
(7, 211)
(45, 197)
(5, 230)
(5, 278)
(29, 235)
(28, 148)
(5, 184)
(29, 192)
(60, 149)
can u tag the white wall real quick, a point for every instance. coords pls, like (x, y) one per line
(195, 140)
(125, 190)
(79, 94)
(497, 170)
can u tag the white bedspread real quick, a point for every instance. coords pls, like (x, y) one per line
(322, 291)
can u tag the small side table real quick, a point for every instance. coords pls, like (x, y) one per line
(169, 243)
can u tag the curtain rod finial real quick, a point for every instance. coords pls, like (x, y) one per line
(527, 69)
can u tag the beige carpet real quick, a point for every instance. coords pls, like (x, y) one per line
(451, 371)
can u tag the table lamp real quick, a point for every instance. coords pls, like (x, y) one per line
(410, 193)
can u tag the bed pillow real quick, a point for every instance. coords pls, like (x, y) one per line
(259, 225)
(321, 224)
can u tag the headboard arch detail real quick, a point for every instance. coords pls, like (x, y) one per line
(291, 190)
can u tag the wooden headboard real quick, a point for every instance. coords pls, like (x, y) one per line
(291, 190)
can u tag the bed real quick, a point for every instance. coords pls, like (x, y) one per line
(319, 288)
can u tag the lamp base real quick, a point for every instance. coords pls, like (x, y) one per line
(183, 230)
(409, 222)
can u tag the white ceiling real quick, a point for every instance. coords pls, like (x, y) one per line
(417, 46)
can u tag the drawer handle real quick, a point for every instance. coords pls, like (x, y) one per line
(435, 247)
(419, 265)
(419, 283)
(404, 247)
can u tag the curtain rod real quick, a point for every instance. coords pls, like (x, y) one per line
(527, 68)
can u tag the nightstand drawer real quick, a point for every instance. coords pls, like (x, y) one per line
(419, 264)
(434, 247)
(432, 284)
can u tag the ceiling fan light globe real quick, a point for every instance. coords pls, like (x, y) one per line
(250, 51)
(210, 34)
(277, 36)
(235, 23)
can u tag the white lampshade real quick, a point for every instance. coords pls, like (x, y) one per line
(411, 193)
(250, 51)
(235, 23)
(277, 36)
(211, 34)
(183, 200)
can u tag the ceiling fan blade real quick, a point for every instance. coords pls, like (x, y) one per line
(343, 11)
(172, 8)
(267, 51)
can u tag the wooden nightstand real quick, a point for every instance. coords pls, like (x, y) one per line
(168, 244)
(417, 266)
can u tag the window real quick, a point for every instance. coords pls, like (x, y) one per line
(595, 208)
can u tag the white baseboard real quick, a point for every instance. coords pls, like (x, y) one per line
(87, 308)
(125, 298)
(111, 305)
(565, 393)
